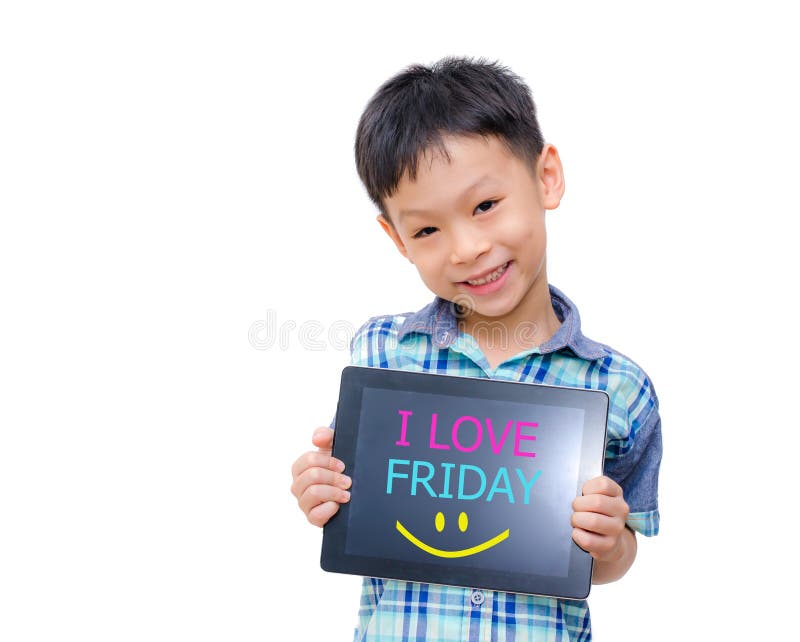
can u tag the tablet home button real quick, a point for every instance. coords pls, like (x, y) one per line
(477, 598)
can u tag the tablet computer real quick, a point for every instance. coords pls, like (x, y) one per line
(464, 481)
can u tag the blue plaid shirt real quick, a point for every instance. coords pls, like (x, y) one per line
(429, 341)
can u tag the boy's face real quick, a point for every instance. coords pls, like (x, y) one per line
(474, 227)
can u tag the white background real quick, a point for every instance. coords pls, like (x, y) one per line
(173, 173)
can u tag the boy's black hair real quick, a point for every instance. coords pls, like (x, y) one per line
(412, 110)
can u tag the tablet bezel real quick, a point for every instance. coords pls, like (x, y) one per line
(577, 583)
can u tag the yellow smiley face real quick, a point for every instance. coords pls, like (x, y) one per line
(463, 523)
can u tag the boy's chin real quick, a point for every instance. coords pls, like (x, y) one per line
(467, 307)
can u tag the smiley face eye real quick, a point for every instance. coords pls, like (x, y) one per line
(463, 521)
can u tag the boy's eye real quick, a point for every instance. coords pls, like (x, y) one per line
(425, 231)
(488, 205)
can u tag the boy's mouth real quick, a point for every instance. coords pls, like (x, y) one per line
(491, 276)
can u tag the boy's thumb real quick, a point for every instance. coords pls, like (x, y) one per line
(323, 438)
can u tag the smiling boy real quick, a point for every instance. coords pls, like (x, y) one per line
(453, 158)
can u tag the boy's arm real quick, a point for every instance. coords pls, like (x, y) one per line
(318, 482)
(318, 479)
(611, 571)
(599, 529)
(625, 500)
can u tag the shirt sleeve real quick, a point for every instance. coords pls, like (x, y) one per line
(636, 471)
(359, 353)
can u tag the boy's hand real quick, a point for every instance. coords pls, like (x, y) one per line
(317, 480)
(599, 520)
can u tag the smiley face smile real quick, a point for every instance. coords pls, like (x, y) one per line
(463, 522)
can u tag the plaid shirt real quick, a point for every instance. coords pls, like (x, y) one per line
(429, 341)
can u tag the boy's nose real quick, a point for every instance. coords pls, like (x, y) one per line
(467, 245)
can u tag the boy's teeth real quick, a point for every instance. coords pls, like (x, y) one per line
(491, 277)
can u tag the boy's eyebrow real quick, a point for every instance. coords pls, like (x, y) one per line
(486, 178)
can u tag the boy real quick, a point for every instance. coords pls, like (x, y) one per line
(453, 158)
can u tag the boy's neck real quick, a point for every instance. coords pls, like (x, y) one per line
(529, 325)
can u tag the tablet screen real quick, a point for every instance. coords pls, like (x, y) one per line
(464, 481)
(478, 482)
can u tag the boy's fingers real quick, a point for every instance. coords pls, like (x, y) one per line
(319, 515)
(323, 438)
(315, 458)
(319, 494)
(602, 486)
(596, 523)
(590, 542)
(602, 504)
(317, 475)
(600, 547)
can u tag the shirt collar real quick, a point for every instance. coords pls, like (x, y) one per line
(438, 320)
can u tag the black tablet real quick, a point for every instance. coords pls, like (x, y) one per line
(464, 481)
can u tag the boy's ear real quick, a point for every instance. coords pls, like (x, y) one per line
(550, 174)
(392, 233)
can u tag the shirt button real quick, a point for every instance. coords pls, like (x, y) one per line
(477, 598)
